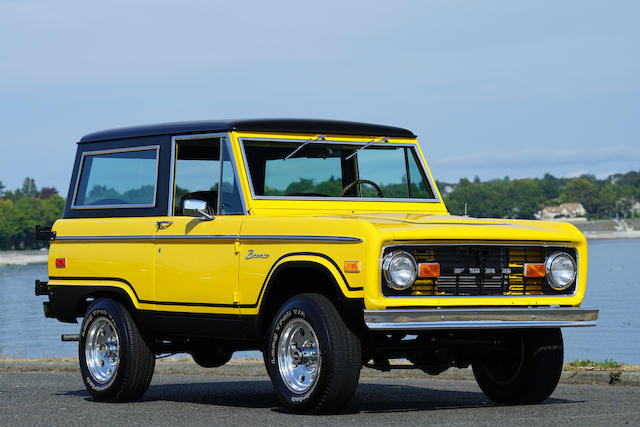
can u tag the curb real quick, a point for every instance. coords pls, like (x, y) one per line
(255, 368)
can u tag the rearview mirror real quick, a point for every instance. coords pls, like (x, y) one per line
(197, 208)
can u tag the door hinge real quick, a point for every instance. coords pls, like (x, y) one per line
(236, 297)
(236, 247)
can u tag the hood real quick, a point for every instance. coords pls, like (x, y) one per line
(419, 226)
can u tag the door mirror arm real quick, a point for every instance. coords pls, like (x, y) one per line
(205, 216)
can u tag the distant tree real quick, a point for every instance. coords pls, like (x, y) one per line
(482, 200)
(29, 188)
(550, 186)
(526, 198)
(2, 187)
(46, 193)
(580, 190)
(22, 209)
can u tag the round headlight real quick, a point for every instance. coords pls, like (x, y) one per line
(561, 270)
(400, 270)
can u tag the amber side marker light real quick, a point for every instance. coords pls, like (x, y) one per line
(535, 270)
(352, 266)
(429, 269)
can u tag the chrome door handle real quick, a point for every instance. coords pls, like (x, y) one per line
(161, 225)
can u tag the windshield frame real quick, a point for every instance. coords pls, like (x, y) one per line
(411, 145)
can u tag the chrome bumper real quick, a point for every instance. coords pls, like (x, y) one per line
(479, 318)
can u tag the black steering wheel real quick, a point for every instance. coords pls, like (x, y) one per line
(361, 181)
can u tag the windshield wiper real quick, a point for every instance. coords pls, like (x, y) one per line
(373, 141)
(308, 141)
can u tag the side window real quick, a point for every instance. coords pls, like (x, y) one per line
(197, 173)
(118, 179)
(230, 202)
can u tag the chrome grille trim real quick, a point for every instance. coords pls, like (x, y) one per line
(429, 244)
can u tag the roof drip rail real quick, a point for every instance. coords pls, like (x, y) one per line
(373, 141)
(308, 141)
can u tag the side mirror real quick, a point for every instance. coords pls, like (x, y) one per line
(197, 208)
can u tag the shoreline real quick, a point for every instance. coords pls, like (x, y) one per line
(614, 235)
(38, 256)
(625, 375)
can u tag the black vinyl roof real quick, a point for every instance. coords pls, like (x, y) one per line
(266, 125)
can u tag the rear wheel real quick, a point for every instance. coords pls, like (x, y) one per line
(524, 368)
(313, 358)
(115, 361)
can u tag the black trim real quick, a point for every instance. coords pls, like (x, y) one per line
(102, 279)
(45, 233)
(259, 125)
(162, 185)
(68, 302)
(346, 282)
(199, 325)
(42, 288)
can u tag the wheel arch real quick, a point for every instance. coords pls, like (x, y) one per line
(72, 302)
(285, 282)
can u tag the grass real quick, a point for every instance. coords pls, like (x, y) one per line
(586, 363)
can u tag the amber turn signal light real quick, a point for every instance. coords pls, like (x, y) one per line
(352, 266)
(535, 270)
(429, 269)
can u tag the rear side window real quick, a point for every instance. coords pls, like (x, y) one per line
(122, 178)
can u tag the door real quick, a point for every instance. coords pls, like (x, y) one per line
(196, 264)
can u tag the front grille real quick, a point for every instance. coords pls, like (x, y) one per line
(480, 270)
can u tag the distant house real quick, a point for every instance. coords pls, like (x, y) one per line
(448, 189)
(565, 210)
(636, 208)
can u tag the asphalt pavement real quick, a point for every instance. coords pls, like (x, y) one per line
(59, 398)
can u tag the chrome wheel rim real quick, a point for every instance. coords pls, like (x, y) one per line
(298, 356)
(102, 350)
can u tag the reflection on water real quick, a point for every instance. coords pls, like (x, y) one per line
(613, 287)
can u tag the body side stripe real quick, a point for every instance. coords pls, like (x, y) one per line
(197, 304)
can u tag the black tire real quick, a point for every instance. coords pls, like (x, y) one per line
(526, 370)
(135, 360)
(338, 364)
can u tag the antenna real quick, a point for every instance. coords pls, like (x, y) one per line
(465, 210)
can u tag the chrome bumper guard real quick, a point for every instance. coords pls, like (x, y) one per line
(479, 318)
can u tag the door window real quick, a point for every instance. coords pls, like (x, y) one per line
(199, 172)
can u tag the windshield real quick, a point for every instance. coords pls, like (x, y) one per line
(325, 169)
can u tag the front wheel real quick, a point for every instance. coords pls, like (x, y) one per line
(115, 361)
(524, 367)
(312, 357)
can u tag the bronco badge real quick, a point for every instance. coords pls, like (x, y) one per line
(252, 254)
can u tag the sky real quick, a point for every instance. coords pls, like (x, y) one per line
(491, 88)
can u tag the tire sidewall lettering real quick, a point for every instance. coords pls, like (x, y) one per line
(283, 319)
(88, 321)
(277, 330)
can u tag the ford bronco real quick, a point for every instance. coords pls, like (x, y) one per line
(324, 244)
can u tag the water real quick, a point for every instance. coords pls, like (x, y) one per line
(613, 287)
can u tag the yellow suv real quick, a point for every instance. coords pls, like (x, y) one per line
(324, 244)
